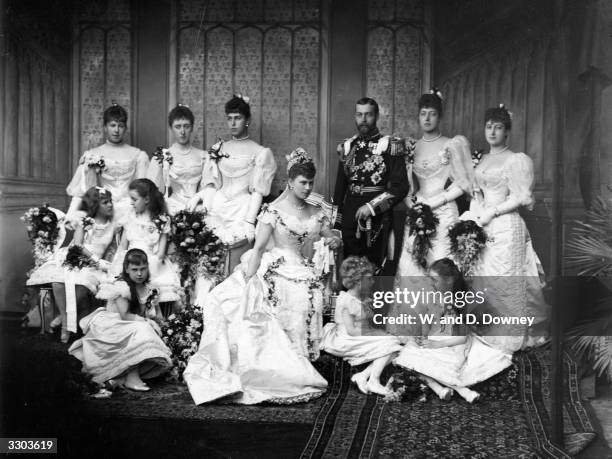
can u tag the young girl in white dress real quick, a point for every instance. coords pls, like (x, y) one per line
(348, 337)
(147, 227)
(179, 177)
(71, 287)
(122, 343)
(448, 356)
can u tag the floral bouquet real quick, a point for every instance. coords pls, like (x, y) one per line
(422, 223)
(43, 231)
(162, 154)
(96, 163)
(477, 157)
(468, 240)
(77, 259)
(199, 252)
(214, 152)
(181, 332)
(406, 385)
(410, 150)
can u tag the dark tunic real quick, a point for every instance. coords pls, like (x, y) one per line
(372, 171)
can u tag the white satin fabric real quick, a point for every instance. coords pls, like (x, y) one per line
(259, 336)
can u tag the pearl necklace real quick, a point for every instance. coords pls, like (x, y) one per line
(501, 151)
(183, 152)
(241, 138)
(299, 207)
(431, 140)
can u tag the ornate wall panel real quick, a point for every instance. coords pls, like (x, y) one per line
(395, 62)
(104, 56)
(268, 50)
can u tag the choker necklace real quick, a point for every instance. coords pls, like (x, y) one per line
(431, 140)
(241, 138)
(299, 207)
(501, 151)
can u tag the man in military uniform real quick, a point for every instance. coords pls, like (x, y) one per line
(371, 180)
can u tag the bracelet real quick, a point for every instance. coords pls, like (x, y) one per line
(496, 211)
(445, 199)
(250, 222)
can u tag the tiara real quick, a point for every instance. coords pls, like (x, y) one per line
(297, 156)
(436, 92)
(182, 105)
(503, 107)
(245, 98)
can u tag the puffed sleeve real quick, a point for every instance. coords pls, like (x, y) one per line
(267, 216)
(155, 174)
(263, 172)
(459, 155)
(142, 164)
(210, 172)
(78, 185)
(518, 171)
(114, 290)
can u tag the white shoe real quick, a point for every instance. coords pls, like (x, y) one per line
(446, 394)
(56, 322)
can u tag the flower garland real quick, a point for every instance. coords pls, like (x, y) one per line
(42, 225)
(181, 332)
(199, 252)
(214, 152)
(77, 259)
(406, 385)
(423, 224)
(269, 278)
(468, 240)
(162, 154)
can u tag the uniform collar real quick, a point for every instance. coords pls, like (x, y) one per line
(374, 136)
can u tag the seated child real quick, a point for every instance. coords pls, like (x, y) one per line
(345, 338)
(122, 340)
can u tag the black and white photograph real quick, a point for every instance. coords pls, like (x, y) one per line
(306, 228)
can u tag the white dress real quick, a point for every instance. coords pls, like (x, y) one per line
(354, 349)
(142, 233)
(248, 167)
(183, 176)
(462, 365)
(454, 164)
(112, 346)
(258, 338)
(96, 240)
(116, 177)
(509, 268)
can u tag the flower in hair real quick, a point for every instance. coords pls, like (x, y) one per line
(297, 156)
(245, 98)
(437, 92)
(183, 105)
(102, 191)
(503, 107)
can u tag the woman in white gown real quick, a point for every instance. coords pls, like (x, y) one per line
(177, 172)
(122, 163)
(237, 175)
(264, 322)
(441, 171)
(508, 268)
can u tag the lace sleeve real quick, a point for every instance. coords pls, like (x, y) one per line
(112, 291)
(210, 172)
(460, 158)
(155, 174)
(263, 172)
(518, 171)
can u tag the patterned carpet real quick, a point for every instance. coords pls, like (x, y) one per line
(45, 392)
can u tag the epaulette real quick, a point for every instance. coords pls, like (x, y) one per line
(397, 146)
(344, 147)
